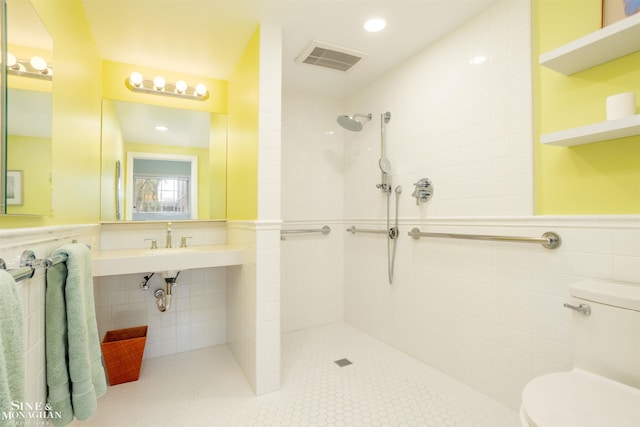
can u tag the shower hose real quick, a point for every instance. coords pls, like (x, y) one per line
(393, 233)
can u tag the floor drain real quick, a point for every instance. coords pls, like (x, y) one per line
(343, 362)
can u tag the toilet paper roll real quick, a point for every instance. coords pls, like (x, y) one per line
(621, 105)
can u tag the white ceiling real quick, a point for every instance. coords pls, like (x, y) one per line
(207, 37)
(184, 128)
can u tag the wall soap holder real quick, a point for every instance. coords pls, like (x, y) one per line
(423, 191)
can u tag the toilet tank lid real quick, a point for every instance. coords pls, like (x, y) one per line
(618, 294)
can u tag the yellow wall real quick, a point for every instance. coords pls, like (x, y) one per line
(218, 166)
(32, 156)
(242, 155)
(598, 178)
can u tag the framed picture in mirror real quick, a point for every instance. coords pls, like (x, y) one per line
(14, 188)
(616, 10)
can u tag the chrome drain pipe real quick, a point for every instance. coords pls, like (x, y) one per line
(163, 298)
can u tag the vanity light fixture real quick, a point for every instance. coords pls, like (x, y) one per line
(36, 67)
(159, 86)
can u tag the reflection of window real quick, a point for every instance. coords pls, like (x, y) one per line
(161, 195)
(160, 187)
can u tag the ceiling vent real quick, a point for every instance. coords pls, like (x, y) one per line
(331, 56)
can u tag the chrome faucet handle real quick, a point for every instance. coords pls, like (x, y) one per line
(154, 243)
(183, 241)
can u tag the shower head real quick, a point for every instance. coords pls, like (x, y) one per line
(350, 122)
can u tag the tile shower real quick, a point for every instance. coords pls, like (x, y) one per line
(487, 314)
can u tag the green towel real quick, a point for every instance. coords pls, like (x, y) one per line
(75, 376)
(11, 351)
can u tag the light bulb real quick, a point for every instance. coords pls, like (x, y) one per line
(135, 79)
(158, 82)
(161, 128)
(39, 64)
(11, 60)
(181, 86)
(201, 89)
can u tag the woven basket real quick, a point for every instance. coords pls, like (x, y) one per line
(122, 350)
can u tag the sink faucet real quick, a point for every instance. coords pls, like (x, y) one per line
(168, 235)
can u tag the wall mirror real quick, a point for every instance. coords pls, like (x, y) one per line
(161, 163)
(27, 173)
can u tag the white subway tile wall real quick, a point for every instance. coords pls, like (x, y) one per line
(461, 115)
(197, 317)
(269, 125)
(312, 276)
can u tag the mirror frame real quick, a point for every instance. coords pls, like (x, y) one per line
(3, 108)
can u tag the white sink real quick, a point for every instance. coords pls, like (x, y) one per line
(128, 261)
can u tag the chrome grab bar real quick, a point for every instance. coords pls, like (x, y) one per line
(549, 240)
(353, 229)
(324, 230)
(582, 308)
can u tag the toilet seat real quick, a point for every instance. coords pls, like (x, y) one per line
(579, 398)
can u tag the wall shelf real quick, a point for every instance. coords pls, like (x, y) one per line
(603, 131)
(611, 42)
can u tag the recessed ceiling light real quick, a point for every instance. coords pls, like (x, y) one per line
(374, 25)
(161, 128)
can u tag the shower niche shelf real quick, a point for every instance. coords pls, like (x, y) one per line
(603, 131)
(607, 44)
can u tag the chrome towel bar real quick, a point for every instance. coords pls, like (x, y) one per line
(353, 229)
(549, 240)
(29, 263)
(324, 230)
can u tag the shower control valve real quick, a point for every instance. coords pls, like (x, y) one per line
(384, 187)
(423, 191)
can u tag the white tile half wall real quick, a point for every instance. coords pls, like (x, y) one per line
(253, 302)
(42, 241)
(487, 313)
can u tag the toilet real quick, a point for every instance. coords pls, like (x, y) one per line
(603, 388)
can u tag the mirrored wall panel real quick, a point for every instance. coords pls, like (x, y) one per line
(161, 163)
